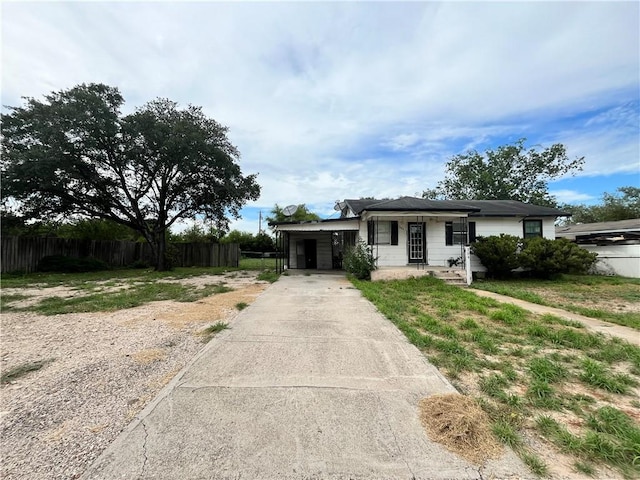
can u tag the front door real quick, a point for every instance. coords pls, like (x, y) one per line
(417, 243)
(311, 253)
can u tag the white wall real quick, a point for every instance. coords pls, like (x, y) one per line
(389, 255)
(437, 251)
(397, 255)
(621, 260)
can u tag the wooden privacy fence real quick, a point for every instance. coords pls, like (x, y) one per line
(24, 253)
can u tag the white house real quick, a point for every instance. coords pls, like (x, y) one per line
(411, 231)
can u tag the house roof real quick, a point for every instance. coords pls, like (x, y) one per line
(619, 226)
(475, 208)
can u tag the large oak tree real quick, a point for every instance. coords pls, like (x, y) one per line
(510, 172)
(74, 154)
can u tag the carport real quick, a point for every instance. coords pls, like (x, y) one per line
(314, 245)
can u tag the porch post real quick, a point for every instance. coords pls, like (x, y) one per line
(467, 264)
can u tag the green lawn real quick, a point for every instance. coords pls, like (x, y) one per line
(613, 299)
(531, 373)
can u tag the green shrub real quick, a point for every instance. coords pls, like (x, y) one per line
(359, 261)
(64, 264)
(545, 258)
(498, 254)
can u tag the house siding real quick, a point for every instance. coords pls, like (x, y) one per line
(438, 253)
(397, 255)
(486, 227)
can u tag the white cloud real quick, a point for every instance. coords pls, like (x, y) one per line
(346, 99)
(572, 197)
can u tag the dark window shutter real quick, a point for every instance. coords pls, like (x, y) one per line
(394, 233)
(448, 233)
(370, 232)
(472, 232)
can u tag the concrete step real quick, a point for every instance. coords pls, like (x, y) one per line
(452, 278)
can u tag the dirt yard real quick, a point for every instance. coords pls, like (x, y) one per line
(100, 370)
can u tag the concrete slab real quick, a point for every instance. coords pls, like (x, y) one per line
(311, 382)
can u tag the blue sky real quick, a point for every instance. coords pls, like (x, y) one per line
(334, 100)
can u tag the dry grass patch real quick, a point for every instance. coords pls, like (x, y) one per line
(459, 423)
(148, 355)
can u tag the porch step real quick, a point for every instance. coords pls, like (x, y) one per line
(451, 278)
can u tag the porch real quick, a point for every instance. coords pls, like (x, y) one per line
(451, 275)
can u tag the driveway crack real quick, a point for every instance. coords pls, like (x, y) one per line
(395, 440)
(144, 450)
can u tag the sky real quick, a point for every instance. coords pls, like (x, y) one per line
(334, 100)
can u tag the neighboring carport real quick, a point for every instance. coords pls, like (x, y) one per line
(314, 245)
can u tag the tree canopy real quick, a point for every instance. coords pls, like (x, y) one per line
(74, 154)
(510, 172)
(624, 205)
(301, 214)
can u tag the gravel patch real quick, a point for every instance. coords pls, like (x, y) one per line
(101, 370)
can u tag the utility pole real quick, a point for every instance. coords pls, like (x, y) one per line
(260, 223)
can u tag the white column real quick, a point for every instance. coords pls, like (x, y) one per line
(467, 264)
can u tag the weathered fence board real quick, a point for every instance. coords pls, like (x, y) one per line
(24, 253)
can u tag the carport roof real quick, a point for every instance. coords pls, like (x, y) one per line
(330, 224)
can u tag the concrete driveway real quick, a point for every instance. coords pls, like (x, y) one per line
(310, 382)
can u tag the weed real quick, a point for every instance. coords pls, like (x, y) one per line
(514, 400)
(241, 305)
(493, 385)
(509, 314)
(506, 433)
(534, 462)
(546, 370)
(596, 374)
(553, 319)
(584, 467)
(268, 275)
(542, 395)
(469, 324)
(213, 329)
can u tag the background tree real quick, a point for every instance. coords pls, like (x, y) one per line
(196, 234)
(248, 242)
(97, 229)
(624, 205)
(75, 154)
(302, 214)
(511, 172)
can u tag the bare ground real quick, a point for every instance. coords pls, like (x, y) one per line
(102, 368)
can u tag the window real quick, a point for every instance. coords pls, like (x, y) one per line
(382, 232)
(532, 228)
(456, 233)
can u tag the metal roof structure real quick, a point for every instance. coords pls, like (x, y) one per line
(619, 226)
(620, 232)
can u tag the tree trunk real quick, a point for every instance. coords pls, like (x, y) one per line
(161, 253)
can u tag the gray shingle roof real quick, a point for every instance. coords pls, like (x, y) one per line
(475, 208)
